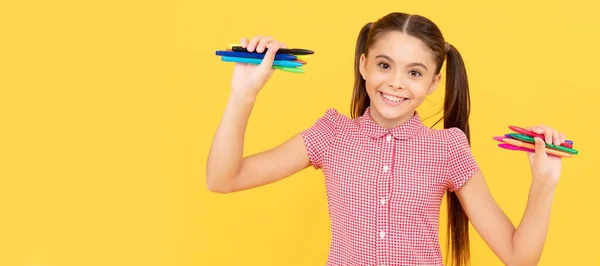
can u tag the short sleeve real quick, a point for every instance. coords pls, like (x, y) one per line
(461, 164)
(319, 136)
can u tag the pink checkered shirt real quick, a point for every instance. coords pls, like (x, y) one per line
(385, 187)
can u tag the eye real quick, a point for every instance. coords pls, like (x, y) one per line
(415, 73)
(384, 66)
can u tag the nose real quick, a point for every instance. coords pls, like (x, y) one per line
(395, 81)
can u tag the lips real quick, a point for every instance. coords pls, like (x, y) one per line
(392, 99)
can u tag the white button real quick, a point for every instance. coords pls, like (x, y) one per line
(388, 138)
(382, 234)
(383, 202)
(385, 168)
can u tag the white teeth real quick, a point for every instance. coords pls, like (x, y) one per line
(393, 98)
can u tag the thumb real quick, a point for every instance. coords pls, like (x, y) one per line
(540, 147)
(267, 63)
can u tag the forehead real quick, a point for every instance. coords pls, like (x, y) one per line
(402, 48)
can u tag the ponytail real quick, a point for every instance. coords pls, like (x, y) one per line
(457, 100)
(360, 99)
(456, 114)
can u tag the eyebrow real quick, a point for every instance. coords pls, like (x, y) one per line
(410, 65)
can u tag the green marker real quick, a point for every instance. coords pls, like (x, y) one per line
(529, 139)
(289, 69)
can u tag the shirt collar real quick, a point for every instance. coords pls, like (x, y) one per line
(407, 130)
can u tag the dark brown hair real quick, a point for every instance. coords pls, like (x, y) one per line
(456, 101)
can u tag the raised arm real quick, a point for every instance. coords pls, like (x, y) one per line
(522, 245)
(227, 170)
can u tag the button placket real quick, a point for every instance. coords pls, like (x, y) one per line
(383, 188)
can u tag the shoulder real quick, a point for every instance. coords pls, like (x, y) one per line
(456, 140)
(333, 119)
(446, 135)
(333, 113)
(451, 141)
(456, 143)
(454, 135)
(460, 161)
(321, 136)
(327, 126)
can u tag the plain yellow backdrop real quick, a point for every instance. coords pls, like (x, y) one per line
(108, 109)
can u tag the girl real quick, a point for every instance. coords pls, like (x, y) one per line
(385, 172)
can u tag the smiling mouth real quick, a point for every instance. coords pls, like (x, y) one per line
(391, 99)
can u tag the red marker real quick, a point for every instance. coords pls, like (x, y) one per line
(567, 143)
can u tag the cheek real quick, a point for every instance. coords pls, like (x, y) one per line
(371, 88)
(374, 81)
(419, 90)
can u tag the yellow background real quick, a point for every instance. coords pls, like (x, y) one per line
(108, 109)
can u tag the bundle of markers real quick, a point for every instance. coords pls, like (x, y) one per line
(286, 59)
(523, 140)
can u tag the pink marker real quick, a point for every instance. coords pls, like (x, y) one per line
(498, 138)
(514, 148)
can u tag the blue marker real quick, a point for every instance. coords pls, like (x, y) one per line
(256, 55)
(257, 61)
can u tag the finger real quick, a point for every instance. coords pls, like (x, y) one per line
(556, 137)
(278, 43)
(563, 138)
(253, 42)
(540, 147)
(244, 42)
(282, 44)
(532, 128)
(267, 62)
(260, 47)
(548, 135)
(538, 129)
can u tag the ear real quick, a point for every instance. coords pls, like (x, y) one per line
(363, 66)
(435, 83)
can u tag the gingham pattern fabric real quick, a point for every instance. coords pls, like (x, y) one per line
(385, 187)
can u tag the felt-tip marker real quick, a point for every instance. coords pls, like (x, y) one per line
(293, 51)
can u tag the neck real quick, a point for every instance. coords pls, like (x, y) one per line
(389, 123)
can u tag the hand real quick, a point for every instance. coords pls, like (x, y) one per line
(545, 168)
(249, 79)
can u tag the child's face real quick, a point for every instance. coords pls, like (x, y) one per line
(399, 74)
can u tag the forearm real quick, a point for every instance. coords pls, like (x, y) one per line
(529, 238)
(226, 152)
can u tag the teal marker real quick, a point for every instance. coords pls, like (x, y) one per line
(257, 61)
(529, 139)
